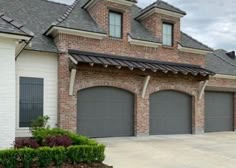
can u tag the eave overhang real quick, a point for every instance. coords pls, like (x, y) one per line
(154, 10)
(54, 30)
(91, 3)
(193, 50)
(143, 43)
(21, 40)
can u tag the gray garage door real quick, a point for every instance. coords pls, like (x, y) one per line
(105, 112)
(219, 111)
(170, 113)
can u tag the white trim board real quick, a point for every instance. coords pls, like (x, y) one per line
(224, 76)
(192, 50)
(160, 11)
(143, 43)
(55, 30)
(15, 36)
(121, 2)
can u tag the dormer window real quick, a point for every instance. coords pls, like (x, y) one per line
(115, 24)
(167, 34)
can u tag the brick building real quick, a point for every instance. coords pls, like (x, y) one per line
(106, 68)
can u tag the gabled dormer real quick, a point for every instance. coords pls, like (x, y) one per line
(113, 16)
(163, 20)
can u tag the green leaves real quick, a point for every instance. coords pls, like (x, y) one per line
(45, 156)
(41, 134)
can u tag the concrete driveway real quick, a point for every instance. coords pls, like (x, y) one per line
(216, 150)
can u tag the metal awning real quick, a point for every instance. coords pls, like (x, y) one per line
(136, 63)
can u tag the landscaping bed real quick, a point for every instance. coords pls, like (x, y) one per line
(49, 148)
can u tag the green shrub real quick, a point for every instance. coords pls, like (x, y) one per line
(45, 156)
(40, 122)
(41, 134)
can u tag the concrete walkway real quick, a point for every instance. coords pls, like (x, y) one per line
(216, 150)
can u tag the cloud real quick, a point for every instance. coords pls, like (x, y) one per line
(210, 21)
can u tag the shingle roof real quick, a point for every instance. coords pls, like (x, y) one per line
(137, 63)
(9, 25)
(77, 18)
(161, 5)
(221, 63)
(38, 16)
(190, 42)
(138, 31)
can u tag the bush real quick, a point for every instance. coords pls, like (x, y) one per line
(41, 134)
(45, 156)
(40, 122)
(58, 141)
(26, 142)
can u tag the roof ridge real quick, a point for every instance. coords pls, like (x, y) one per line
(196, 40)
(54, 2)
(171, 6)
(17, 25)
(66, 14)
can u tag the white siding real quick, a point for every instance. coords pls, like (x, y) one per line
(39, 65)
(7, 93)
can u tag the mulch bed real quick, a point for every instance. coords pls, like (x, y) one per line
(94, 165)
(84, 165)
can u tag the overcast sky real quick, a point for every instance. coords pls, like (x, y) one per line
(212, 22)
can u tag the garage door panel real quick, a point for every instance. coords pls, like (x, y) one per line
(170, 113)
(105, 112)
(219, 111)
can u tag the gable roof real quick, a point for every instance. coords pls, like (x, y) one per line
(10, 26)
(77, 18)
(39, 15)
(161, 5)
(221, 63)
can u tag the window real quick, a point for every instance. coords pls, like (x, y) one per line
(167, 34)
(31, 100)
(115, 24)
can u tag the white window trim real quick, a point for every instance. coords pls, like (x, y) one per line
(116, 26)
(143, 43)
(171, 35)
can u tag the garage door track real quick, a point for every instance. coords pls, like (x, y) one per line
(215, 150)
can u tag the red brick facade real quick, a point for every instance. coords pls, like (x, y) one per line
(125, 79)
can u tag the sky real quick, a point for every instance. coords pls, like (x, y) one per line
(212, 22)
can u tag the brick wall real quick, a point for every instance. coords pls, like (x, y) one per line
(125, 79)
(154, 24)
(131, 81)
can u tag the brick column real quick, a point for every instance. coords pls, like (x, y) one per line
(198, 115)
(142, 116)
(67, 110)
